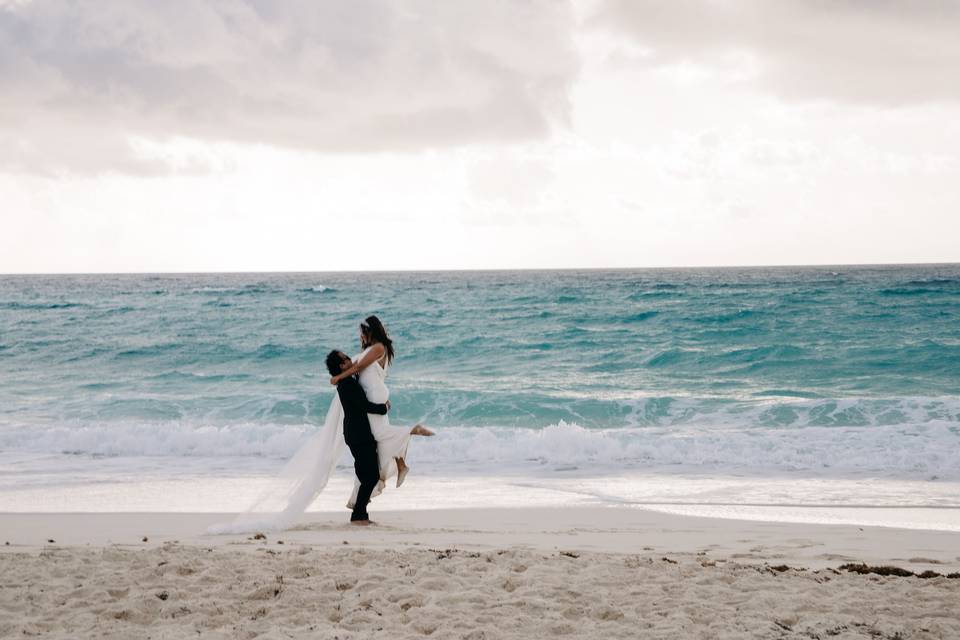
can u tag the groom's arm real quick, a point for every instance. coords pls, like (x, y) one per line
(374, 407)
(352, 395)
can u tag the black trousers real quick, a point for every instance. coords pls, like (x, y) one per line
(367, 466)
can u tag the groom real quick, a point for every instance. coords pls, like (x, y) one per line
(356, 432)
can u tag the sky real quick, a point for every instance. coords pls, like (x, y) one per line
(310, 135)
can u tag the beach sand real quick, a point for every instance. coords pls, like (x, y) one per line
(583, 572)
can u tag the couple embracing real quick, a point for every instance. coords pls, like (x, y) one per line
(357, 417)
(379, 449)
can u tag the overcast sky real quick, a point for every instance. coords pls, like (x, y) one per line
(310, 135)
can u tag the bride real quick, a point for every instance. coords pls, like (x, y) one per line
(372, 365)
(305, 475)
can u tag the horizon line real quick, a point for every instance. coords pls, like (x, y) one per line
(480, 270)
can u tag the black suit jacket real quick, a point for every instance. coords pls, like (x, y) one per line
(356, 424)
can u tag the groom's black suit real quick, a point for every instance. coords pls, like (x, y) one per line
(363, 446)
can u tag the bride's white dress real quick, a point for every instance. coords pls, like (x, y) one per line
(392, 442)
(305, 475)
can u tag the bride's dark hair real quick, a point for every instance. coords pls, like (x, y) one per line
(374, 331)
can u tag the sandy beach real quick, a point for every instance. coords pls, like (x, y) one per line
(483, 573)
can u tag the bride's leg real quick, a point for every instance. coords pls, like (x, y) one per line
(402, 470)
(420, 430)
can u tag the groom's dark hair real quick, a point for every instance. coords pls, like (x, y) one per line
(334, 360)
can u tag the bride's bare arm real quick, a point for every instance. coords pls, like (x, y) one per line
(375, 353)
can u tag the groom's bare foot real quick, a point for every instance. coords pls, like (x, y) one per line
(362, 523)
(420, 430)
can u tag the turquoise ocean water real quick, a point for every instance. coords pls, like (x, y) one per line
(813, 373)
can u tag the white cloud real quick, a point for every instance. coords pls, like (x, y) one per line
(885, 53)
(79, 78)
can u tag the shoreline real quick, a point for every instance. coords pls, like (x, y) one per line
(852, 501)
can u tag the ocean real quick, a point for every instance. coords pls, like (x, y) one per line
(712, 391)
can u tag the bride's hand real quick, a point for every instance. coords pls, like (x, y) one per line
(335, 380)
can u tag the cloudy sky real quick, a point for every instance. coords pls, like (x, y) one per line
(301, 135)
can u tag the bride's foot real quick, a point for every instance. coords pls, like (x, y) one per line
(420, 430)
(402, 470)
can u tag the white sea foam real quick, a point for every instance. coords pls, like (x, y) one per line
(920, 451)
(925, 451)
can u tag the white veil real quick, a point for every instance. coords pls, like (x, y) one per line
(302, 478)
